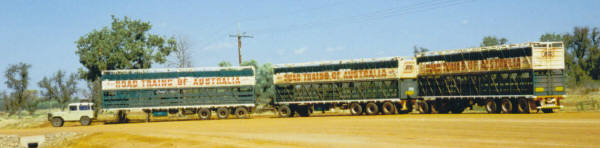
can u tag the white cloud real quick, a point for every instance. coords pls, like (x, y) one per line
(332, 49)
(464, 22)
(300, 51)
(217, 46)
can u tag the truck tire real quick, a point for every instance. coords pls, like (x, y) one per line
(439, 107)
(523, 106)
(491, 106)
(355, 109)
(85, 121)
(241, 112)
(424, 107)
(388, 108)
(303, 111)
(222, 113)
(506, 106)
(204, 114)
(371, 108)
(285, 111)
(57, 122)
(457, 107)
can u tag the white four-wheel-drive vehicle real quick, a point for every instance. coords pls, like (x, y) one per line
(82, 112)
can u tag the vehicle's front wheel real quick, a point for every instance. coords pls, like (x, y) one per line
(57, 122)
(85, 121)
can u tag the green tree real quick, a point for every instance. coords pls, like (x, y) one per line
(60, 89)
(6, 101)
(17, 79)
(264, 88)
(225, 64)
(492, 41)
(127, 44)
(552, 37)
(31, 105)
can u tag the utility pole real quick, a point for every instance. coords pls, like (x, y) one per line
(239, 38)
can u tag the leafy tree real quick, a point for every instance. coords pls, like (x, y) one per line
(492, 41)
(17, 79)
(225, 64)
(551, 37)
(264, 88)
(127, 44)
(60, 89)
(6, 101)
(32, 101)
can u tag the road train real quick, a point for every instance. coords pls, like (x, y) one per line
(515, 78)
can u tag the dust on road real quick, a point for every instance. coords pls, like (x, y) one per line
(414, 130)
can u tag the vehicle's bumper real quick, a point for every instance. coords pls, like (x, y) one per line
(550, 102)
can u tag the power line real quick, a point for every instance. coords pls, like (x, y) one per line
(377, 15)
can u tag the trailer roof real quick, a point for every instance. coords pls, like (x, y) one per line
(487, 48)
(322, 63)
(162, 70)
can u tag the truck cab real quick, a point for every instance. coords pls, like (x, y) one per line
(82, 112)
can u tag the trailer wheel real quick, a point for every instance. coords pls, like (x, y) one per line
(285, 111)
(507, 106)
(355, 109)
(457, 107)
(388, 108)
(57, 122)
(424, 107)
(303, 111)
(371, 109)
(491, 106)
(204, 114)
(85, 121)
(547, 110)
(241, 112)
(439, 107)
(222, 113)
(523, 106)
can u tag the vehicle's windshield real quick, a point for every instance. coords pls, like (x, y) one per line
(73, 108)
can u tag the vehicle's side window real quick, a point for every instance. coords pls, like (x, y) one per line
(84, 107)
(72, 108)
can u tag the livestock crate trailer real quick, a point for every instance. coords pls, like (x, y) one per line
(370, 86)
(160, 92)
(515, 78)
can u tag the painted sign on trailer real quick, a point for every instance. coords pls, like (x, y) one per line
(181, 82)
(405, 69)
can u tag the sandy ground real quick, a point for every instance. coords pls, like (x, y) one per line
(413, 130)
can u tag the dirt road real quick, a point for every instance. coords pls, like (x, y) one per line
(414, 130)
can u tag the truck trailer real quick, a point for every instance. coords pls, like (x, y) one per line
(186, 91)
(515, 78)
(370, 86)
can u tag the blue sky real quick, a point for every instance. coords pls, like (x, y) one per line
(42, 33)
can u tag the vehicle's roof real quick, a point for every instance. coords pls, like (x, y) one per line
(83, 103)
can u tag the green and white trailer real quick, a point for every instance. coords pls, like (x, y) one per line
(370, 86)
(182, 91)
